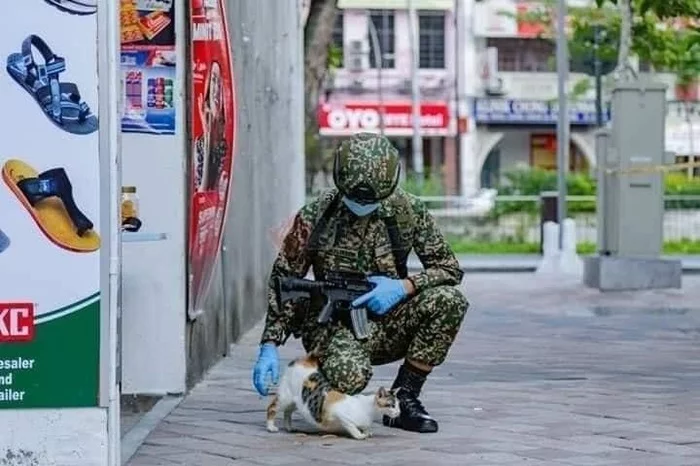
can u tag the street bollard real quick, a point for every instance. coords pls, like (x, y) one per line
(548, 212)
(569, 261)
(550, 249)
(569, 236)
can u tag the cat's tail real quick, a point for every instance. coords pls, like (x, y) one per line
(272, 413)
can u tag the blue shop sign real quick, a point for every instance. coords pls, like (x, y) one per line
(534, 112)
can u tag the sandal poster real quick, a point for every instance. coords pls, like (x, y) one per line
(148, 66)
(49, 198)
(213, 134)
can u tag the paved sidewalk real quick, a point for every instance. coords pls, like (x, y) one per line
(542, 374)
(504, 263)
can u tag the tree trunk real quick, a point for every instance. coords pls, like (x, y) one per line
(318, 34)
(691, 137)
(624, 70)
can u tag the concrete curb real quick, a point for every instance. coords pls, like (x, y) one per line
(133, 439)
(520, 264)
(484, 268)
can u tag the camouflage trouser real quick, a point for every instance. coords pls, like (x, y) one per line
(421, 329)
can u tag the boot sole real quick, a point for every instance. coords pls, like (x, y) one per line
(396, 424)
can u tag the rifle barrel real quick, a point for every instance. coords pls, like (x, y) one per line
(299, 284)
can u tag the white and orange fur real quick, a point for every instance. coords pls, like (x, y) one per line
(340, 413)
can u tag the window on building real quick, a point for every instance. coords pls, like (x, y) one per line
(338, 35)
(431, 27)
(529, 55)
(383, 21)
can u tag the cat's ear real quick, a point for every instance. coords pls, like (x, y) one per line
(381, 393)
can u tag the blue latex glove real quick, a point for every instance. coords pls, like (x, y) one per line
(383, 297)
(268, 363)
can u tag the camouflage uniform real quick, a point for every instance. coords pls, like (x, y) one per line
(421, 328)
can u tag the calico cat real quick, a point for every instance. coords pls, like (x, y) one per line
(303, 388)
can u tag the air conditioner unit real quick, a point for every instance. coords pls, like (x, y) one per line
(493, 82)
(356, 47)
(355, 56)
(495, 87)
(355, 63)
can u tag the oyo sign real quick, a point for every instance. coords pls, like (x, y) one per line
(360, 118)
(349, 118)
(16, 322)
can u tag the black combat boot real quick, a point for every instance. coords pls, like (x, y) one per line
(413, 417)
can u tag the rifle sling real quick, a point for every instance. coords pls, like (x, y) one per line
(322, 223)
(393, 232)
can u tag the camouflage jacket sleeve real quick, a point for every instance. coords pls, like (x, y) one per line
(291, 262)
(440, 264)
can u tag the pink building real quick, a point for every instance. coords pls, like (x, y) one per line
(353, 98)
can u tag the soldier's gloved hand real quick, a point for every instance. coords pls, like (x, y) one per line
(268, 363)
(384, 296)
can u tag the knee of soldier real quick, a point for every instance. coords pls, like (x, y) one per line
(446, 299)
(347, 374)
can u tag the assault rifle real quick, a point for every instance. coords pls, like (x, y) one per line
(339, 289)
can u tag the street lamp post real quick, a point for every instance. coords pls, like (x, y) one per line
(563, 121)
(415, 94)
(598, 73)
(379, 63)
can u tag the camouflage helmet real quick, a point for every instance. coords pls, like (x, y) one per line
(366, 168)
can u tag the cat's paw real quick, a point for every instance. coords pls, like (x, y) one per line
(360, 436)
(272, 428)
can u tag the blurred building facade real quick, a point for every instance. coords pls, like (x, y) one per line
(353, 101)
(515, 108)
(487, 89)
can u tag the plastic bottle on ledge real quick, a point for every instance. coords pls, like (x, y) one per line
(130, 209)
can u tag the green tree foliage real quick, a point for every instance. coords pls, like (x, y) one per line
(664, 33)
(663, 9)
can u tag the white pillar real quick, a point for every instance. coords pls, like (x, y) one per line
(550, 249)
(467, 63)
(569, 261)
(469, 176)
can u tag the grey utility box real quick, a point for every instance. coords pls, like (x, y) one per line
(634, 205)
(630, 206)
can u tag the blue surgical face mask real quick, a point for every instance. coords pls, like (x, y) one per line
(360, 209)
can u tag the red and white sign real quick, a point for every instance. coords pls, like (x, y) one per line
(16, 322)
(507, 18)
(347, 118)
(213, 139)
